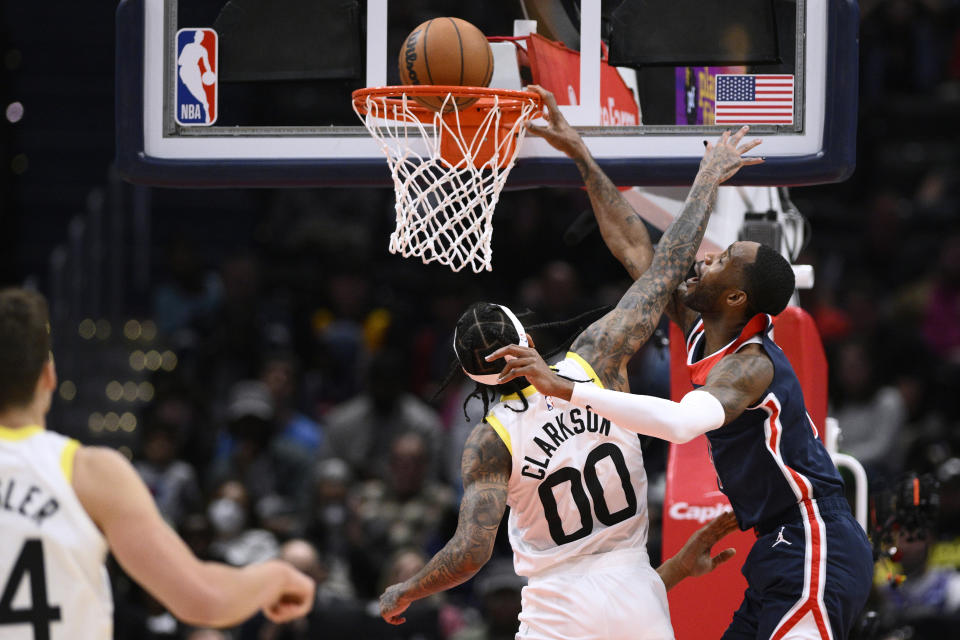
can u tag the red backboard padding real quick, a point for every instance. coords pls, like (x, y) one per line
(557, 69)
(703, 607)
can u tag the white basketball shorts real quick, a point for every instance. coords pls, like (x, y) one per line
(610, 596)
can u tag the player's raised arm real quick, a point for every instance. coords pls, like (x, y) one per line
(200, 593)
(609, 343)
(622, 228)
(735, 383)
(485, 468)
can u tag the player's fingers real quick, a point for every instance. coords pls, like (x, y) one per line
(738, 135)
(509, 350)
(396, 619)
(545, 95)
(536, 129)
(751, 161)
(724, 138)
(723, 556)
(746, 146)
(517, 368)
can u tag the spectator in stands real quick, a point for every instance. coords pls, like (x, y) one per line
(928, 601)
(498, 588)
(235, 541)
(171, 481)
(280, 373)
(871, 417)
(362, 429)
(269, 467)
(941, 324)
(405, 510)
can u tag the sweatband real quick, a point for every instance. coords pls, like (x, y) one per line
(679, 422)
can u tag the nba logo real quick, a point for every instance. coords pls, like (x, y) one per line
(196, 103)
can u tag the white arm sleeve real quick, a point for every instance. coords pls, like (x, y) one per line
(695, 414)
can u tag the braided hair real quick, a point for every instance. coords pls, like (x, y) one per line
(485, 327)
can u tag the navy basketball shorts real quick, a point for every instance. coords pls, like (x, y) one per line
(807, 578)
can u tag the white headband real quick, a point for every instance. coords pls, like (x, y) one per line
(492, 378)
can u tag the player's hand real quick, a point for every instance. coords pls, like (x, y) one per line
(526, 362)
(295, 600)
(725, 157)
(695, 555)
(558, 131)
(393, 603)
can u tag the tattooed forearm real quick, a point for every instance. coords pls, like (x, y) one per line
(739, 380)
(622, 228)
(611, 341)
(485, 467)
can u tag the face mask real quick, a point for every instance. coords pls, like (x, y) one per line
(226, 516)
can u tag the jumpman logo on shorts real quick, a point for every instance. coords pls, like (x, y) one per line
(780, 539)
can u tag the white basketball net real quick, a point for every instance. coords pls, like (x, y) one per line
(444, 211)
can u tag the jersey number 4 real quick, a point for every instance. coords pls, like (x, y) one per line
(595, 487)
(40, 614)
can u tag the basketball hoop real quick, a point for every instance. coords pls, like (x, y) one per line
(448, 165)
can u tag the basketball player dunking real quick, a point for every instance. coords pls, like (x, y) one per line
(585, 557)
(810, 570)
(63, 506)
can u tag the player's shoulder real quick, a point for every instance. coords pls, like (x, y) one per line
(573, 365)
(99, 469)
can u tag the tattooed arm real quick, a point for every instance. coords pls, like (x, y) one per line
(485, 468)
(622, 228)
(739, 379)
(609, 343)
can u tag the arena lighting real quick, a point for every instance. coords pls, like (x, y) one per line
(95, 422)
(111, 421)
(138, 360)
(145, 391)
(87, 328)
(128, 422)
(132, 330)
(14, 112)
(114, 391)
(68, 390)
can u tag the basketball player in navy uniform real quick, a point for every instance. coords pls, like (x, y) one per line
(574, 480)
(810, 570)
(63, 506)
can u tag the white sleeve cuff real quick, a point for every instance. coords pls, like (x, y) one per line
(697, 413)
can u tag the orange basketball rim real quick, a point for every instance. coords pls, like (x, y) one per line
(482, 134)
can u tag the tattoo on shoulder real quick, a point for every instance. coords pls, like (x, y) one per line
(485, 457)
(739, 380)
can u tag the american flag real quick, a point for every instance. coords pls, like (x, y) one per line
(754, 99)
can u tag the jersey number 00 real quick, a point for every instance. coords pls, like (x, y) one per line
(595, 487)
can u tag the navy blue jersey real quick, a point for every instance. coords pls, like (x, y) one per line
(770, 458)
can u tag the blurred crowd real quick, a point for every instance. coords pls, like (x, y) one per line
(313, 416)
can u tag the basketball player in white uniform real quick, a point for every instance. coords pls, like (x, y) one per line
(574, 481)
(64, 506)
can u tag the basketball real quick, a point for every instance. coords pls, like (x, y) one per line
(446, 51)
(209, 78)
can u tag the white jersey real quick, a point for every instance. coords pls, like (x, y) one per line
(578, 487)
(53, 582)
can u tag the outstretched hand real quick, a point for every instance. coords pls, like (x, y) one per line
(695, 555)
(526, 362)
(558, 131)
(725, 157)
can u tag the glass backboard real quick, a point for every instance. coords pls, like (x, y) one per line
(278, 74)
